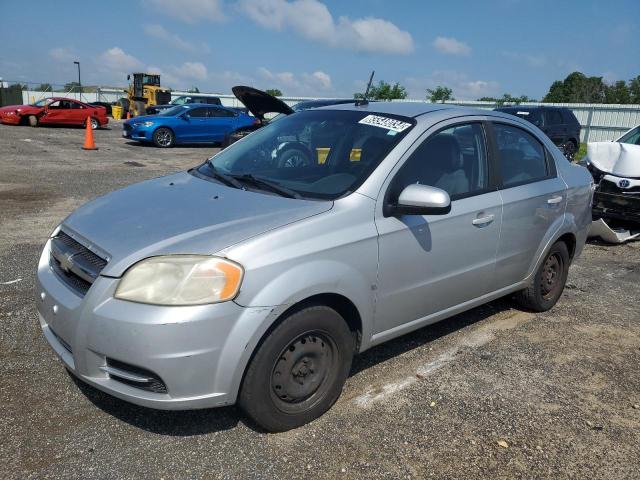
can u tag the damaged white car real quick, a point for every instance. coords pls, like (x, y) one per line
(615, 167)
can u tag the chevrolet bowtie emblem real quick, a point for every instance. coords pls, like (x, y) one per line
(66, 262)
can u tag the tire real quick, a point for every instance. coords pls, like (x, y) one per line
(163, 138)
(94, 124)
(140, 108)
(569, 149)
(33, 120)
(124, 103)
(293, 157)
(549, 280)
(298, 371)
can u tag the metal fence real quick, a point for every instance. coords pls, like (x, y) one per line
(600, 122)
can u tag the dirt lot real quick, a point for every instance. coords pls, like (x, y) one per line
(495, 392)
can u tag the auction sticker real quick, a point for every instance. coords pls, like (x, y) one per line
(385, 122)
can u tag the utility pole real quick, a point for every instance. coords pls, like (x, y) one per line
(79, 83)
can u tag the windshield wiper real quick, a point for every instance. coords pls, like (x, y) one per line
(228, 180)
(273, 186)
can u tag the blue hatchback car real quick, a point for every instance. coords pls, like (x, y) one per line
(192, 123)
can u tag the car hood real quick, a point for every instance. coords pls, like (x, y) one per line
(147, 118)
(179, 214)
(12, 108)
(620, 159)
(260, 103)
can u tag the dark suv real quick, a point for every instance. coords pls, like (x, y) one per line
(559, 124)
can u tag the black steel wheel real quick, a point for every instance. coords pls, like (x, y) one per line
(569, 150)
(298, 370)
(293, 158)
(549, 280)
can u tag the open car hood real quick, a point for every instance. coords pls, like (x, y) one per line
(619, 159)
(260, 103)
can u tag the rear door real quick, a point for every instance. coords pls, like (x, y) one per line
(220, 122)
(533, 198)
(430, 263)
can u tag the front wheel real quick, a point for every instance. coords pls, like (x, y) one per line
(549, 280)
(298, 371)
(163, 137)
(33, 120)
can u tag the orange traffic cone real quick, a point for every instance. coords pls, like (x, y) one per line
(89, 144)
(128, 114)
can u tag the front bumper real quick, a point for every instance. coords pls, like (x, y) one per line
(616, 206)
(137, 133)
(198, 352)
(10, 119)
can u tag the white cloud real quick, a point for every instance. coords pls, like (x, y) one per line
(312, 19)
(115, 59)
(308, 84)
(192, 70)
(463, 87)
(62, 54)
(190, 11)
(451, 46)
(159, 32)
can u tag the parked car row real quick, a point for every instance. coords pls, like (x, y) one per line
(256, 276)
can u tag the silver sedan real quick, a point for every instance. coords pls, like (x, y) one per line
(255, 277)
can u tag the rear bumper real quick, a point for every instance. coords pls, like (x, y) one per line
(199, 353)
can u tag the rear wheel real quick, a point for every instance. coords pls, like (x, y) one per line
(569, 150)
(549, 280)
(298, 371)
(33, 120)
(163, 137)
(94, 124)
(124, 104)
(293, 158)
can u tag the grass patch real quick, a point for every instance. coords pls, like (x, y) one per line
(582, 151)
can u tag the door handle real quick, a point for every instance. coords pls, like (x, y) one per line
(483, 220)
(554, 200)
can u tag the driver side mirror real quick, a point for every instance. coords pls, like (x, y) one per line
(417, 199)
(185, 116)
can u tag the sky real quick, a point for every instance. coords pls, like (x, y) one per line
(323, 48)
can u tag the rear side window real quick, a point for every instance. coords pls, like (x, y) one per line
(521, 156)
(569, 117)
(219, 112)
(633, 137)
(553, 117)
(198, 112)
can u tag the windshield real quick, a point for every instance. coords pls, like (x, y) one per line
(632, 137)
(173, 111)
(320, 154)
(43, 102)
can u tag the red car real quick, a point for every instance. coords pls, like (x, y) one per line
(54, 111)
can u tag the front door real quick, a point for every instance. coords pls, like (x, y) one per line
(431, 263)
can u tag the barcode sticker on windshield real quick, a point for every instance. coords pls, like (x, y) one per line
(385, 122)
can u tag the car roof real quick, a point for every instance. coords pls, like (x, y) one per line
(411, 109)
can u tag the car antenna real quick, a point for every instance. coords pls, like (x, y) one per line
(363, 100)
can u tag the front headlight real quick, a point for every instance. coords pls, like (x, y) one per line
(143, 124)
(181, 280)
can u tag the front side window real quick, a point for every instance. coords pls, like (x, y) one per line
(454, 160)
(521, 156)
(173, 111)
(321, 154)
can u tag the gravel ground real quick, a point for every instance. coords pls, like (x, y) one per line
(495, 392)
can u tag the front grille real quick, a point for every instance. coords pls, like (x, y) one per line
(73, 263)
(155, 383)
(607, 186)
